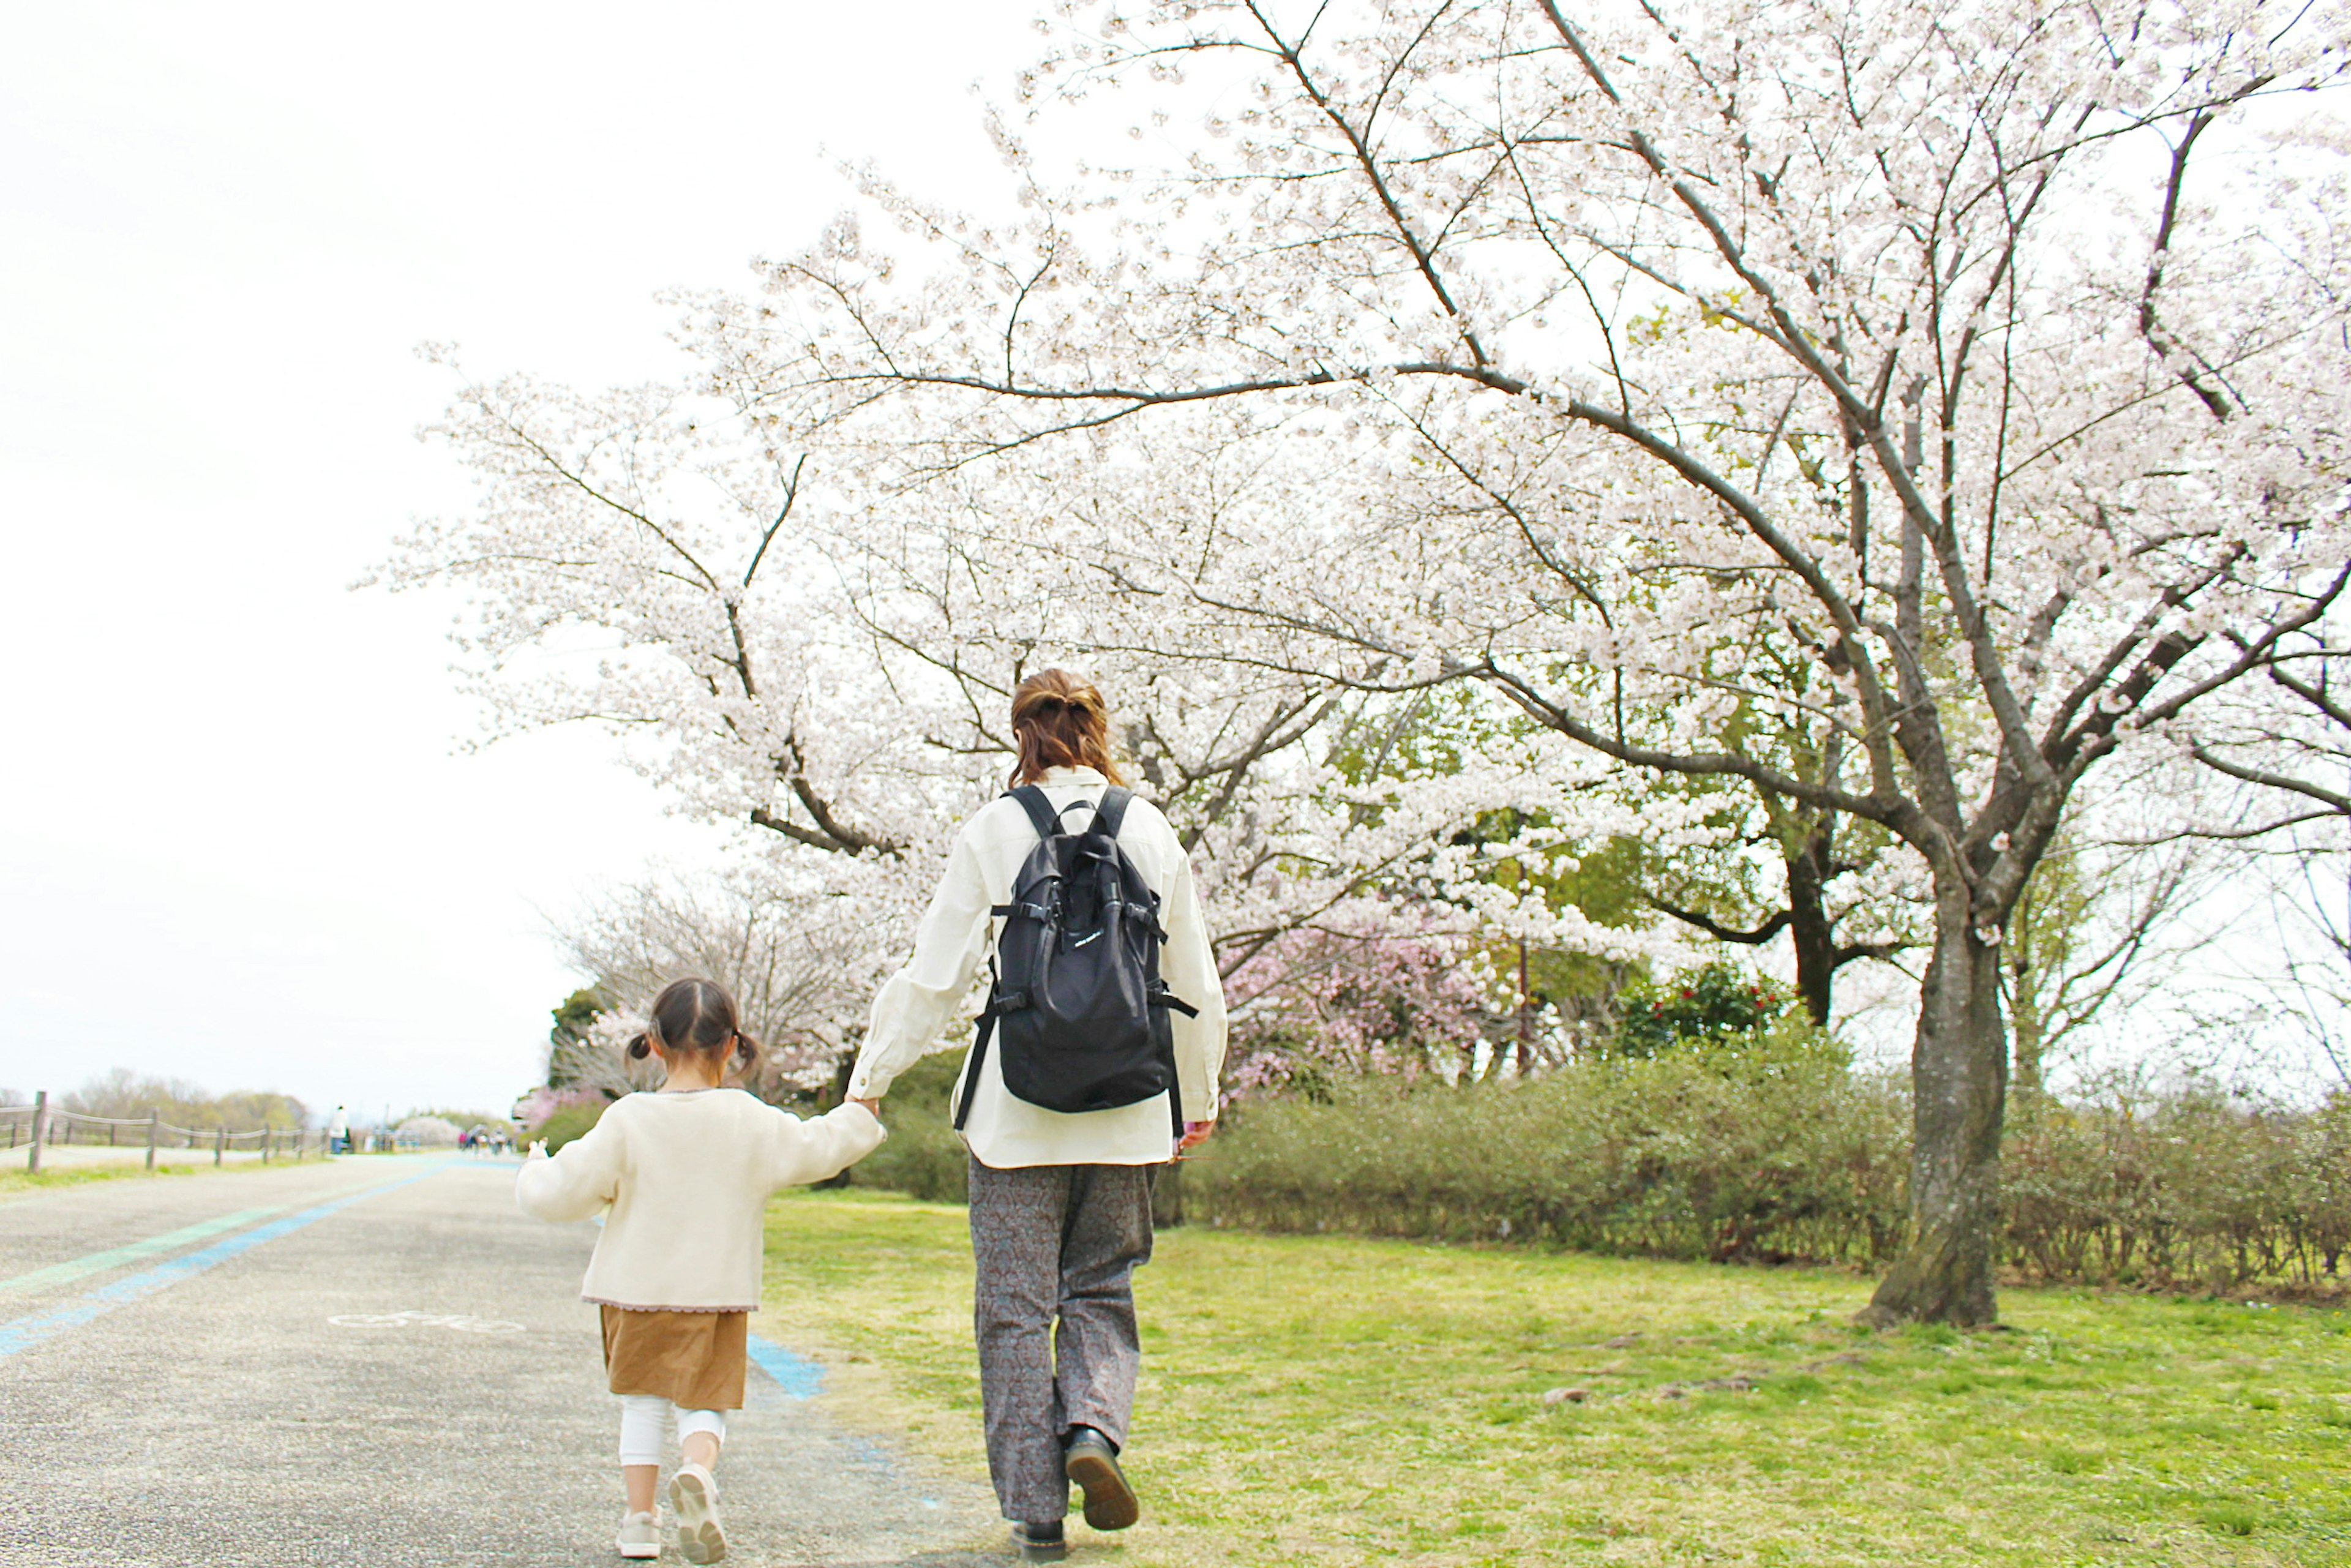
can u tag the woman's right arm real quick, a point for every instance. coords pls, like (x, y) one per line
(582, 1177)
(915, 1005)
(1188, 964)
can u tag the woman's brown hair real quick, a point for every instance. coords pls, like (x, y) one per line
(696, 1016)
(1059, 720)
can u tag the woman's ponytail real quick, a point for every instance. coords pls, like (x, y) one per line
(1059, 720)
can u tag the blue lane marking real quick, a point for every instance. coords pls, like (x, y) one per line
(798, 1377)
(24, 1334)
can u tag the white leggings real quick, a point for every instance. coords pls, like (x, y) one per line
(644, 1417)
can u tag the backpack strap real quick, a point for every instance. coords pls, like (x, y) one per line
(999, 1004)
(1111, 814)
(1041, 815)
(971, 1067)
(1047, 822)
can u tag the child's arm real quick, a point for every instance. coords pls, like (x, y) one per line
(581, 1179)
(800, 1151)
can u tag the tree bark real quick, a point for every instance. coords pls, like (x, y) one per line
(2030, 1029)
(1167, 1196)
(1959, 1082)
(2022, 959)
(1811, 930)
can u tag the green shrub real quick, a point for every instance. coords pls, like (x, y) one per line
(921, 1156)
(571, 1122)
(1714, 1004)
(1765, 1149)
(2196, 1187)
(1768, 1147)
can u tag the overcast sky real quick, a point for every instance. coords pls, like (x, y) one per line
(238, 841)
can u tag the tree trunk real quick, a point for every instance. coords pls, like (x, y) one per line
(1811, 932)
(843, 1072)
(2028, 1028)
(1167, 1196)
(1958, 1082)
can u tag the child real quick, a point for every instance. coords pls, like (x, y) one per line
(686, 1172)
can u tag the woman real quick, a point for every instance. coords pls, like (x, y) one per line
(1060, 1200)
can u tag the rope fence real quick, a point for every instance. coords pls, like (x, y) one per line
(41, 1126)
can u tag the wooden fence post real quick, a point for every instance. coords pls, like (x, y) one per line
(154, 1126)
(41, 1119)
(220, 1142)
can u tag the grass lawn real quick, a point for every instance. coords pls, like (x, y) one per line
(1324, 1400)
(15, 1179)
(21, 1180)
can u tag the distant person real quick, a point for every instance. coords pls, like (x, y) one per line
(688, 1172)
(1105, 1065)
(339, 1131)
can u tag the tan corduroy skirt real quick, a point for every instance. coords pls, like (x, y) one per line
(695, 1360)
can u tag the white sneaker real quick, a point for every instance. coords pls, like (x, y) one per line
(694, 1497)
(639, 1536)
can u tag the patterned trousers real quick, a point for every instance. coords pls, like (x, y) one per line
(1054, 1242)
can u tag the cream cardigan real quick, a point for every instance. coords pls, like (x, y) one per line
(687, 1178)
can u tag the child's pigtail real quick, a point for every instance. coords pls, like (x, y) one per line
(639, 1047)
(749, 1060)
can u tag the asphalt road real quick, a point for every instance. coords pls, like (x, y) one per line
(175, 1389)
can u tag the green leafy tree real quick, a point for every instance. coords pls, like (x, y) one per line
(1715, 1005)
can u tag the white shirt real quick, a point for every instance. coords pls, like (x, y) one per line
(687, 1178)
(954, 939)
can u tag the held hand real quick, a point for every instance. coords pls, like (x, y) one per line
(1195, 1134)
(872, 1107)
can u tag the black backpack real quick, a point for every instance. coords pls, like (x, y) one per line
(1075, 991)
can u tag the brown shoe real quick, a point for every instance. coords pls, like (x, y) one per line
(1092, 1463)
(1039, 1542)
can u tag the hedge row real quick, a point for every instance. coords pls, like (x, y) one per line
(1681, 1155)
(1803, 1160)
(1783, 1155)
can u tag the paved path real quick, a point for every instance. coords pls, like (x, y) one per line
(174, 1390)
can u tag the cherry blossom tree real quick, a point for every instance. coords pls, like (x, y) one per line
(2289, 760)
(655, 561)
(1394, 1004)
(1960, 386)
(794, 959)
(1785, 867)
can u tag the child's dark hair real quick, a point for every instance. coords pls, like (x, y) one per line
(697, 1017)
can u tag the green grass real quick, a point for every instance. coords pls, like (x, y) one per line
(21, 1180)
(15, 1180)
(1341, 1401)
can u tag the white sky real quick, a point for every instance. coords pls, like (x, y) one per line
(238, 841)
